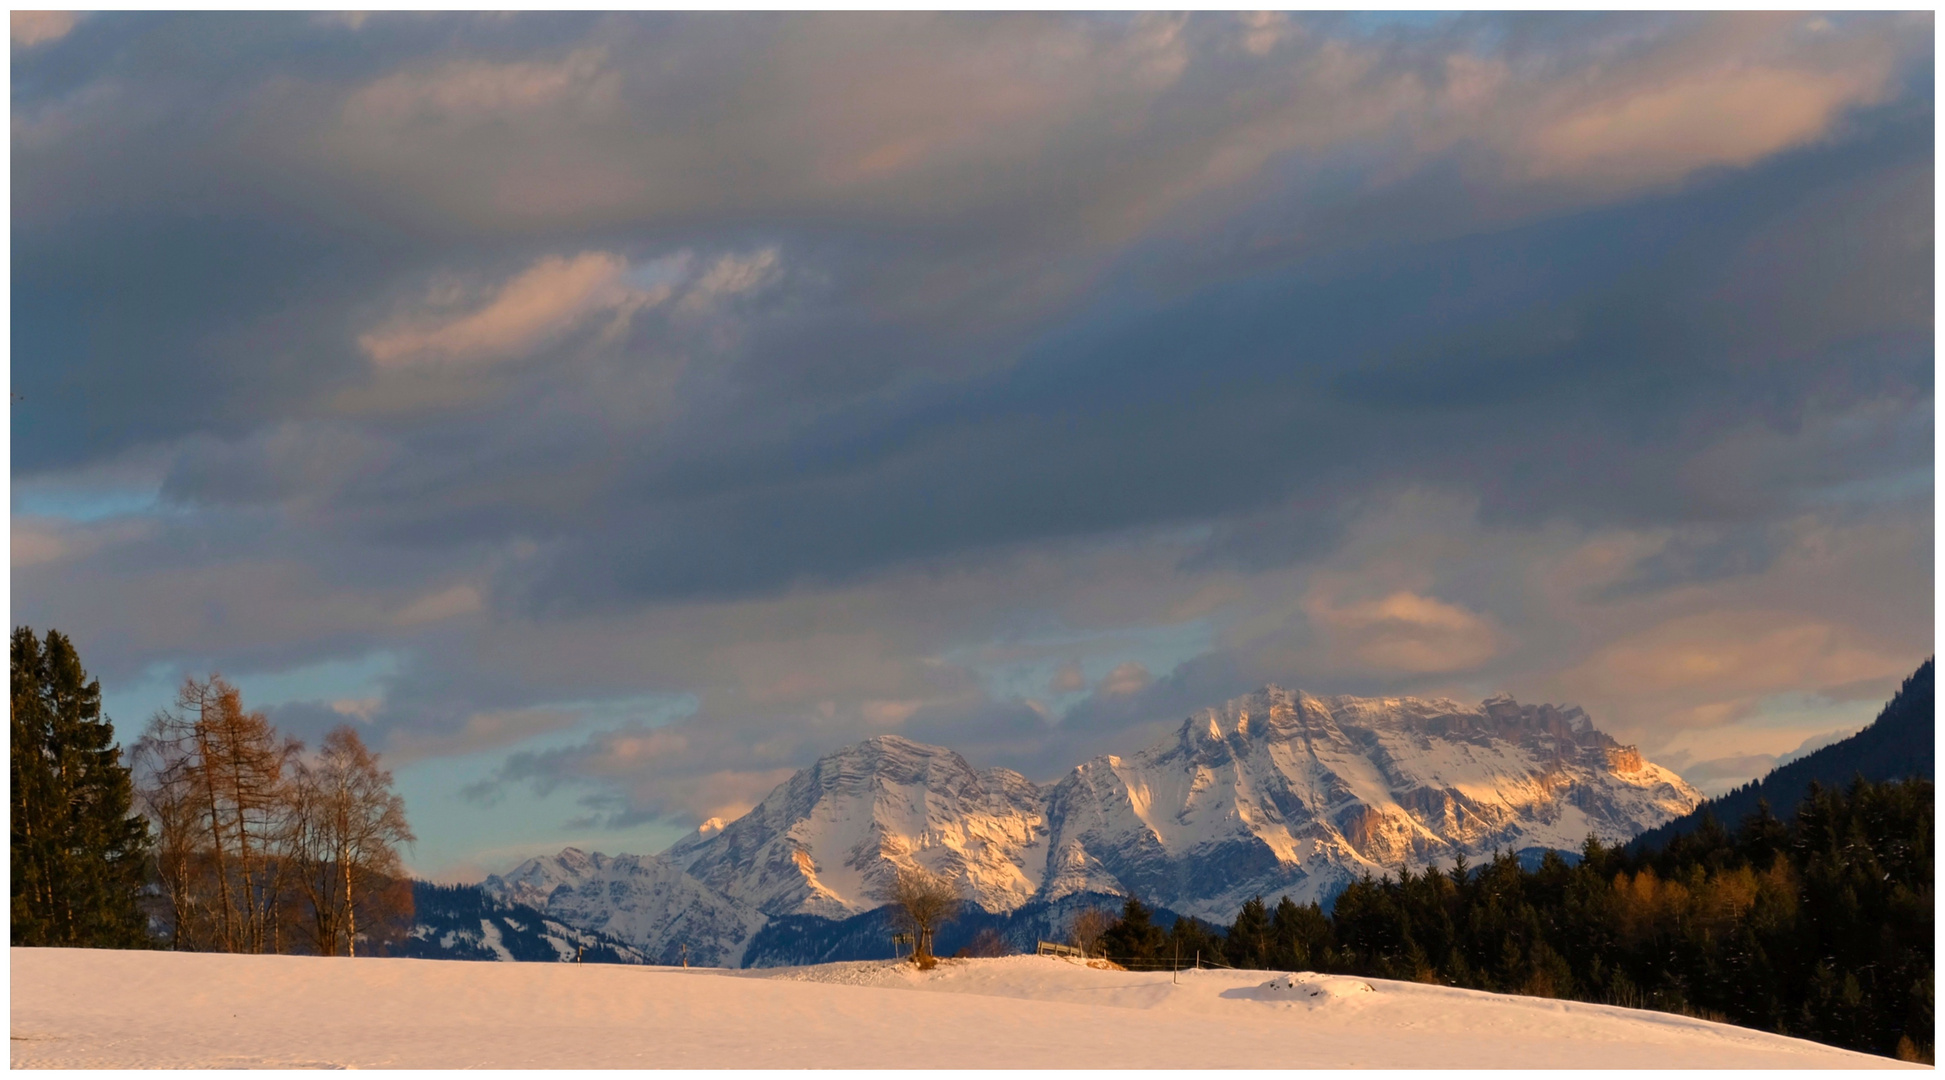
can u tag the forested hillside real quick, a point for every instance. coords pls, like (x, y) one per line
(1900, 743)
(1818, 927)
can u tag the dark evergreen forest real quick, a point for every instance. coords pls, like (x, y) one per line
(1818, 927)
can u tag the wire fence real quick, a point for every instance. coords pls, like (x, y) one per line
(1167, 963)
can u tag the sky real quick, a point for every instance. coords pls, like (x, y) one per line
(610, 414)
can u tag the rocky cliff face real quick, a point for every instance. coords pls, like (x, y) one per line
(1280, 792)
(1274, 793)
(829, 839)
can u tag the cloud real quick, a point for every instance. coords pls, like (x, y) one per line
(1125, 679)
(1406, 632)
(730, 275)
(1739, 657)
(359, 709)
(1067, 680)
(31, 28)
(948, 359)
(29, 545)
(475, 92)
(1663, 132)
(446, 604)
(548, 298)
(480, 731)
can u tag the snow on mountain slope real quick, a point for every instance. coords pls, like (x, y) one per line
(104, 1008)
(1277, 792)
(1274, 793)
(1280, 792)
(829, 839)
(649, 903)
(458, 922)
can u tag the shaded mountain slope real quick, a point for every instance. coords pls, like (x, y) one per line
(1901, 743)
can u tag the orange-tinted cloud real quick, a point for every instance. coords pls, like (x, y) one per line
(1406, 632)
(549, 297)
(1666, 130)
(31, 28)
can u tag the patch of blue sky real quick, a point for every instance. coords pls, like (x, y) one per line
(464, 836)
(84, 504)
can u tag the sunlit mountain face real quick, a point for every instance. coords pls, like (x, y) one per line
(1277, 793)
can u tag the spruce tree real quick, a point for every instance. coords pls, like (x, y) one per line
(1134, 940)
(1249, 936)
(78, 854)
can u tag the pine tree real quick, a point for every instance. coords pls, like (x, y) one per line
(1134, 939)
(78, 853)
(1249, 936)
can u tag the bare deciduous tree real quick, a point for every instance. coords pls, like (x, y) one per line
(347, 824)
(256, 843)
(213, 779)
(988, 943)
(1088, 927)
(920, 901)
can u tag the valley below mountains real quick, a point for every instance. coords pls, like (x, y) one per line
(1276, 793)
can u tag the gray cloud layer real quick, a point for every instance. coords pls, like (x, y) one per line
(857, 373)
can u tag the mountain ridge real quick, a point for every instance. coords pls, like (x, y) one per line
(1277, 792)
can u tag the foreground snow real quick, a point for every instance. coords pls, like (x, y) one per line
(77, 1008)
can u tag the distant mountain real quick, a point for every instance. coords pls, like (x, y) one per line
(459, 922)
(647, 902)
(828, 840)
(1275, 793)
(1901, 743)
(1283, 793)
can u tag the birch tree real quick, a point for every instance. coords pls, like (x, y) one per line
(349, 824)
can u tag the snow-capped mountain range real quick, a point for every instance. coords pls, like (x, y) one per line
(1274, 793)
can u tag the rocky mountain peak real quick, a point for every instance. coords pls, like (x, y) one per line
(1276, 792)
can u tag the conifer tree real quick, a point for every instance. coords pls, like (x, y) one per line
(1134, 939)
(77, 852)
(1249, 935)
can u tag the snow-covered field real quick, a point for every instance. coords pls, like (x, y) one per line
(77, 1008)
